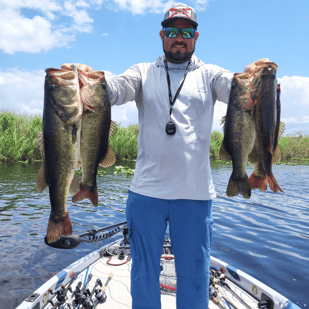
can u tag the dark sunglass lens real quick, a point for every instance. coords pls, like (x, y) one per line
(171, 32)
(188, 33)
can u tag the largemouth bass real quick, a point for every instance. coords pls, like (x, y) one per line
(95, 131)
(266, 149)
(61, 134)
(253, 136)
(239, 136)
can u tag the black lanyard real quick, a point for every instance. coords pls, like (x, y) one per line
(170, 127)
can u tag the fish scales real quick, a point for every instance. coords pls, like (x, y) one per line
(61, 129)
(259, 96)
(95, 133)
(266, 150)
(239, 137)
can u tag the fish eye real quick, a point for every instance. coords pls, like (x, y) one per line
(54, 86)
(234, 85)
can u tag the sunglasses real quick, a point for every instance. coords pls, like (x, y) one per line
(187, 33)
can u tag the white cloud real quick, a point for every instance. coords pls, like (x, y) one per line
(295, 90)
(153, 6)
(219, 112)
(125, 114)
(19, 33)
(295, 103)
(22, 91)
(51, 28)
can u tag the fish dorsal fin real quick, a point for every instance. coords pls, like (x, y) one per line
(112, 128)
(109, 158)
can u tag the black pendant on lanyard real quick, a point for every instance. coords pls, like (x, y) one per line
(170, 128)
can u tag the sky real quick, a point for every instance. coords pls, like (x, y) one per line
(113, 35)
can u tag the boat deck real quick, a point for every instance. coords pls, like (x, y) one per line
(118, 288)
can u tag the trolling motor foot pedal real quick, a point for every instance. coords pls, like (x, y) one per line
(65, 242)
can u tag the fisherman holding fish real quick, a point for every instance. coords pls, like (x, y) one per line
(172, 182)
(175, 97)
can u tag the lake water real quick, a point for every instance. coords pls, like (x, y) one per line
(266, 236)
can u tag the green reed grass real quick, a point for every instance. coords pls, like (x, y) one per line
(18, 133)
(294, 146)
(124, 142)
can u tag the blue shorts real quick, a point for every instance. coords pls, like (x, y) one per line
(190, 224)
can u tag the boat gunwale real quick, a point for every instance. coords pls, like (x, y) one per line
(63, 277)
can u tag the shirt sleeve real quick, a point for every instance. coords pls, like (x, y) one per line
(124, 87)
(221, 81)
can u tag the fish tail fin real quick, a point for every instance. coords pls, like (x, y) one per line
(91, 193)
(56, 230)
(258, 182)
(273, 183)
(239, 186)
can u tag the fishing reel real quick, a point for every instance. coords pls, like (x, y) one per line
(61, 295)
(85, 298)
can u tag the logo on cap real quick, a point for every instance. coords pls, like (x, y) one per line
(184, 12)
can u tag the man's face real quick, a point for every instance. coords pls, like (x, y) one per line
(178, 49)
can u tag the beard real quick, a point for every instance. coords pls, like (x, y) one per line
(178, 57)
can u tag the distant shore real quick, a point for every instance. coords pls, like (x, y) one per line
(18, 133)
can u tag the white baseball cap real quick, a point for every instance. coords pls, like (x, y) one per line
(180, 11)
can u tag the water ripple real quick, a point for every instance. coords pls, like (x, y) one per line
(266, 236)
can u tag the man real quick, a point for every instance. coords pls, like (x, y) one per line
(172, 179)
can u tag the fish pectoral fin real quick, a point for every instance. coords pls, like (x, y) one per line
(41, 183)
(281, 129)
(40, 142)
(109, 159)
(112, 128)
(74, 187)
(223, 154)
(276, 155)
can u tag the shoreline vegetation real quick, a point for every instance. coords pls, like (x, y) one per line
(18, 133)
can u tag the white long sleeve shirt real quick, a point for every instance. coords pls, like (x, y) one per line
(173, 166)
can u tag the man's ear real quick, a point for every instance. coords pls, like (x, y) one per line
(161, 33)
(196, 36)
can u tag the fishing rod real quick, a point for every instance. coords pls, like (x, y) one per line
(89, 300)
(74, 240)
(61, 295)
(219, 277)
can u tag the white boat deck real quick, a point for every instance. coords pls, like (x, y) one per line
(118, 288)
